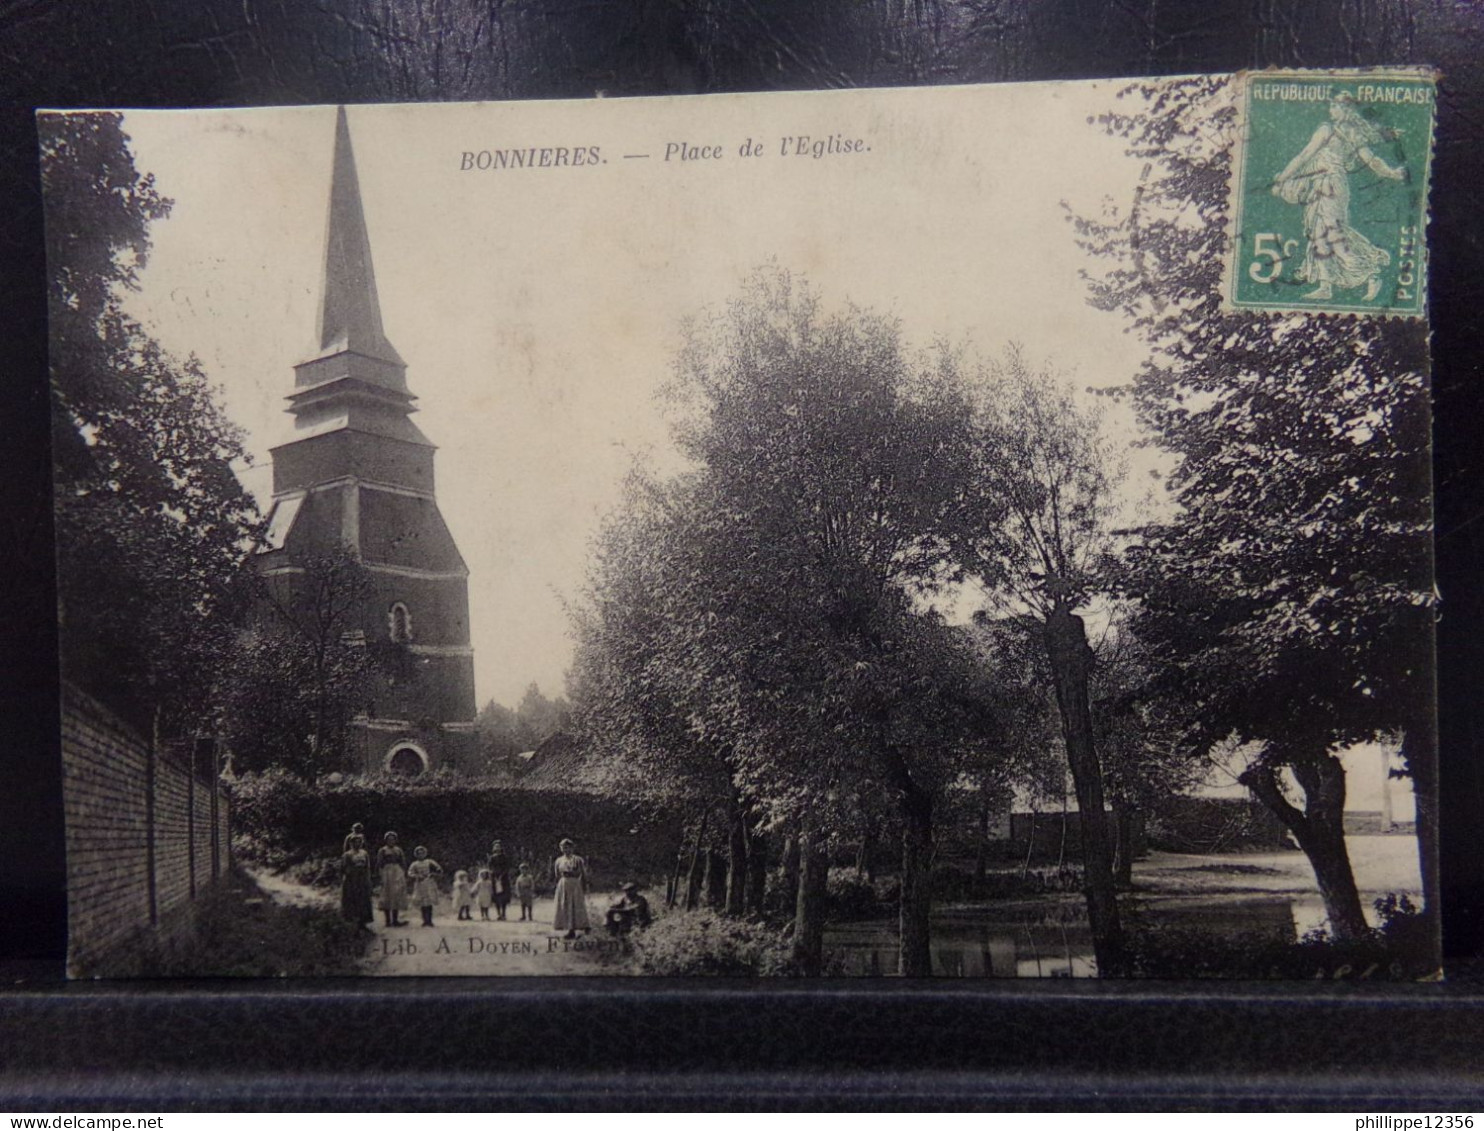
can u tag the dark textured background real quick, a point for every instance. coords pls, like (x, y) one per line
(565, 1046)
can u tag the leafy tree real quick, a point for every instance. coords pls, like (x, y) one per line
(832, 465)
(539, 717)
(301, 672)
(1042, 488)
(267, 712)
(152, 523)
(1029, 761)
(499, 732)
(638, 683)
(781, 629)
(505, 732)
(1291, 595)
(1144, 762)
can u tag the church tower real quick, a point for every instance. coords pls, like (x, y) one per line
(358, 474)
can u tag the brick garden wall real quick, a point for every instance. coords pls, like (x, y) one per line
(144, 833)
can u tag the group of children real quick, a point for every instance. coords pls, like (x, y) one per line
(417, 883)
(487, 890)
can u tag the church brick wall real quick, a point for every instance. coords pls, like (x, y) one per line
(139, 836)
(437, 688)
(380, 459)
(368, 746)
(320, 525)
(406, 531)
(439, 608)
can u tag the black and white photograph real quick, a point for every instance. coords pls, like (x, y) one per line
(816, 535)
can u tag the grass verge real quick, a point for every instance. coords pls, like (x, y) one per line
(241, 933)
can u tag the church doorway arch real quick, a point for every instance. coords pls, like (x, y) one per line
(406, 759)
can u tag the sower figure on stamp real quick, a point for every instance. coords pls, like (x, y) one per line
(1318, 177)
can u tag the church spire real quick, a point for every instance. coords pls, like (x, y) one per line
(350, 315)
(356, 381)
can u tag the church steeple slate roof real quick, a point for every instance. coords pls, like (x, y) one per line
(357, 380)
(350, 314)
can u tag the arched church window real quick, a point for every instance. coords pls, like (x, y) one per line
(399, 624)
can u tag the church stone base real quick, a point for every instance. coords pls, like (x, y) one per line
(382, 746)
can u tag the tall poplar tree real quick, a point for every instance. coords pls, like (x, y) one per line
(787, 631)
(1042, 493)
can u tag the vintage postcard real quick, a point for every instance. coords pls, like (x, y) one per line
(972, 531)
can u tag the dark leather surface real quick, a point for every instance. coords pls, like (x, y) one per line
(561, 1046)
(451, 1043)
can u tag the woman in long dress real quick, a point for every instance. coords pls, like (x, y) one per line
(355, 882)
(1336, 255)
(391, 863)
(570, 872)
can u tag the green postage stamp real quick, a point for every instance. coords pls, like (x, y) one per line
(1329, 192)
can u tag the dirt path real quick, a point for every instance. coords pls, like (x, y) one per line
(288, 893)
(473, 948)
(488, 947)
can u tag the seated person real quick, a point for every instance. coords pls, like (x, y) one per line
(629, 912)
